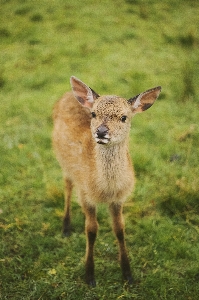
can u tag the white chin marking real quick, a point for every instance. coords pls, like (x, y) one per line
(105, 141)
(101, 141)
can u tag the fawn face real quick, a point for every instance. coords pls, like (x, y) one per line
(110, 122)
(111, 115)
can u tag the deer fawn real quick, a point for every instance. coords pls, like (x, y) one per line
(90, 139)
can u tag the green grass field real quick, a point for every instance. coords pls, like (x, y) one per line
(116, 47)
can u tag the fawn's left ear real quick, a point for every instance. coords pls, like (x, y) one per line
(144, 100)
(85, 95)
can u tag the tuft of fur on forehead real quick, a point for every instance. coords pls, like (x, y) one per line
(108, 99)
(111, 104)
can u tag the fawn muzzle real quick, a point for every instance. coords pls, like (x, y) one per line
(102, 135)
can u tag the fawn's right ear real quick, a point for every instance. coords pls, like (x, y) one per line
(144, 100)
(85, 95)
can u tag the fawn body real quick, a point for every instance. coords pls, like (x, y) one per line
(90, 139)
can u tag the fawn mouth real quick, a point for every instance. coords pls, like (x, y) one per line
(103, 141)
(102, 138)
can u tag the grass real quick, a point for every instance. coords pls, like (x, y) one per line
(119, 47)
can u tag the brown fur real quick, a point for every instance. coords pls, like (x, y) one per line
(94, 156)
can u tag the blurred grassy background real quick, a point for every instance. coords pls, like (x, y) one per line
(116, 47)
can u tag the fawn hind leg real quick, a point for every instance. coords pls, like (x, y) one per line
(67, 218)
(118, 227)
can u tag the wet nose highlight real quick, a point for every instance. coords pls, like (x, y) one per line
(102, 130)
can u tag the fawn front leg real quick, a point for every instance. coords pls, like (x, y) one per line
(91, 227)
(118, 227)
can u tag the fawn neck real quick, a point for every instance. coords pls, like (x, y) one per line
(113, 165)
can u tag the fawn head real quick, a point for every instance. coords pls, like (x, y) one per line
(111, 115)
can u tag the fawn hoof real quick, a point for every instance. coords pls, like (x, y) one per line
(128, 277)
(66, 233)
(92, 283)
(129, 280)
(90, 280)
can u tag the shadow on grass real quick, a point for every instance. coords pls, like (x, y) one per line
(181, 204)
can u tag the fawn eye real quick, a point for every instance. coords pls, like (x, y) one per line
(123, 118)
(93, 114)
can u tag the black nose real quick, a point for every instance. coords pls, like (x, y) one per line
(102, 130)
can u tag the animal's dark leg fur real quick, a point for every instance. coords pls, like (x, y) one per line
(118, 227)
(91, 227)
